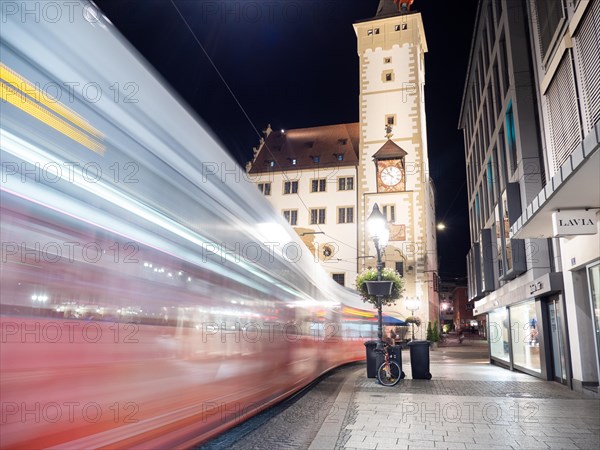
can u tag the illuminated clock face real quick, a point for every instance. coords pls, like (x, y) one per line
(391, 176)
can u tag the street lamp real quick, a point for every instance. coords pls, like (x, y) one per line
(379, 232)
(412, 304)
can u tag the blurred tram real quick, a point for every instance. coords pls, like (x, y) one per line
(151, 297)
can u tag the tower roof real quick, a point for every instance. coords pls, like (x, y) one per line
(390, 150)
(392, 7)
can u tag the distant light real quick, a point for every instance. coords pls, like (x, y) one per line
(441, 226)
(282, 130)
(34, 297)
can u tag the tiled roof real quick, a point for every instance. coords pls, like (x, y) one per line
(390, 150)
(309, 147)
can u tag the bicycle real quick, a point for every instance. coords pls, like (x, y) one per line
(389, 372)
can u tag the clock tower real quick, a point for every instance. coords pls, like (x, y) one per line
(393, 163)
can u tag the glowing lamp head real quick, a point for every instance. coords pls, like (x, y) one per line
(412, 303)
(377, 226)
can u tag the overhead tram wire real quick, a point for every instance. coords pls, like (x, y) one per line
(244, 112)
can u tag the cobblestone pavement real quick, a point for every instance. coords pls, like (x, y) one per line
(291, 427)
(469, 404)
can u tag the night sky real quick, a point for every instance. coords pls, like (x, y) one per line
(293, 64)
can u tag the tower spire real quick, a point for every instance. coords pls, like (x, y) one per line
(389, 7)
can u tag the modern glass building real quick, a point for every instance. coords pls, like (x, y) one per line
(530, 120)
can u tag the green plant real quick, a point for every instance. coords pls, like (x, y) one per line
(429, 335)
(414, 320)
(386, 275)
(435, 333)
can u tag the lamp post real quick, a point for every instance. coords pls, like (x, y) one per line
(413, 304)
(380, 234)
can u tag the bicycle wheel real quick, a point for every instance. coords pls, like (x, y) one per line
(390, 375)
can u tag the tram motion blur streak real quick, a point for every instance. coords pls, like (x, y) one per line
(127, 317)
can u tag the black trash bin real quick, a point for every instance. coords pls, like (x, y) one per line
(371, 359)
(395, 352)
(419, 360)
(375, 359)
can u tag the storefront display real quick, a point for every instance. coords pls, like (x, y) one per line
(499, 334)
(525, 339)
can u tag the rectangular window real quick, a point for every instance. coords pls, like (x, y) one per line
(499, 239)
(400, 268)
(317, 216)
(504, 64)
(549, 17)
(390, 119)
(346, 184)
(346, 215)
(291, 215)
(319, 185)
(499, 327)
(511, 137)
(339, 278)
(389, 212)
(290, 187)
(265, 188)
(524, 330)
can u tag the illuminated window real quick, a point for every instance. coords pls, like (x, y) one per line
(316, 159)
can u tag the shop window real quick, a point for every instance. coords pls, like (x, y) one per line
(499, 334)
(525, 339)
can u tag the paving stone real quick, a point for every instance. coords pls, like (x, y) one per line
(450, 445)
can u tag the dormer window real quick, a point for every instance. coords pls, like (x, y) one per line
(309, 144)
(342, 141)
(294, 161)
(270, 163)
(339, 156)
(316, 159)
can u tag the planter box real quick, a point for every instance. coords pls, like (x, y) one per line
(383, 288)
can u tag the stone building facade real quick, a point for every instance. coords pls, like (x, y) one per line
(326, 180)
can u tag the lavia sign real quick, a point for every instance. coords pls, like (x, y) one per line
(574, 222)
